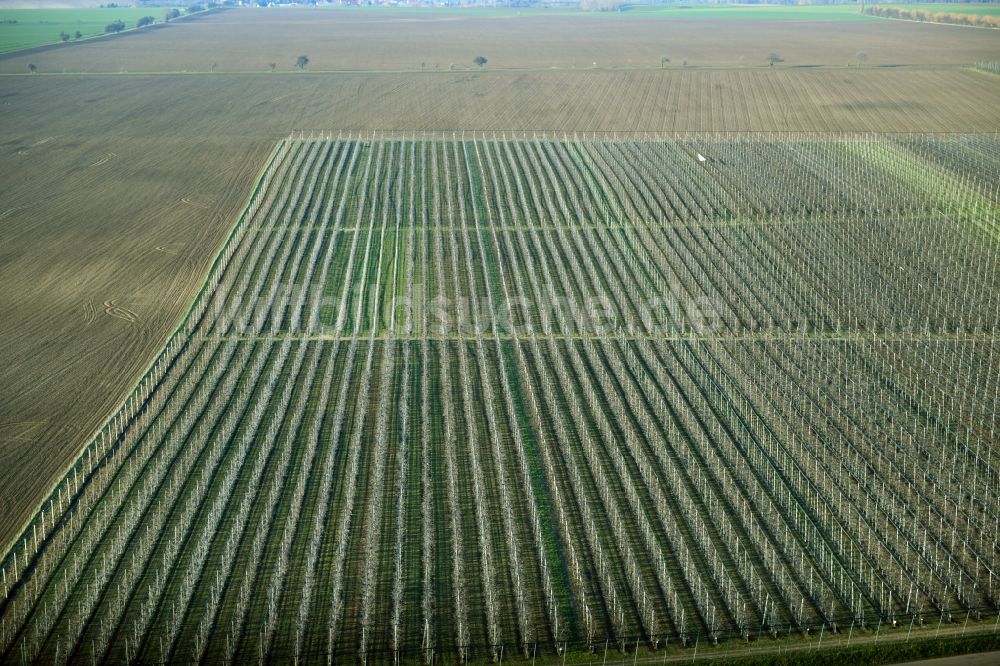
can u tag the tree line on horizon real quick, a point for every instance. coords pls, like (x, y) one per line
(979, 21)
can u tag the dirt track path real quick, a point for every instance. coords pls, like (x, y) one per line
(793, 646)
(980, 659)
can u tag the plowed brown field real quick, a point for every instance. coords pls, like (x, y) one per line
(414, 40)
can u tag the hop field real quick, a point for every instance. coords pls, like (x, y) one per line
(464, 396)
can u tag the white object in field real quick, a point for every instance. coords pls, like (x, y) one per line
(701, 158)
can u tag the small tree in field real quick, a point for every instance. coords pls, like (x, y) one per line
(663, 61)
(32, 67)
(861, 57)
(480, 60)
(302, 61)
(272, 65)
(144, 21)
(77, 35)
(773, 58)
(64, 36)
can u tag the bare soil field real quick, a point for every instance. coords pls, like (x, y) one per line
(94, 282)
(250, 40)
(265, 106)
(117, 190)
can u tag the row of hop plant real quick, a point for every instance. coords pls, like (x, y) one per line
(736, 605)
(549, 282)
(551, 451)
